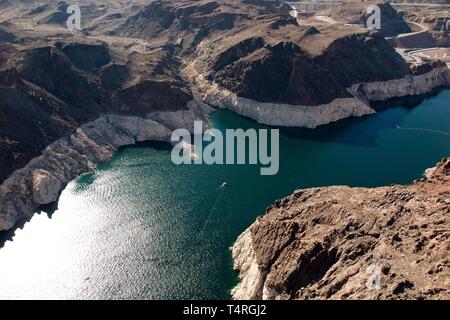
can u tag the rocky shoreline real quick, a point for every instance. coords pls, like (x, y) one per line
(351, 243)
(41, 181)
(410, 85)
(286, 115)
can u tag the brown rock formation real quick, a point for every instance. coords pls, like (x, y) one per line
(48, 89)
(351, 243)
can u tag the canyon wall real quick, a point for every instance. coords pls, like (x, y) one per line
(280, 114)
(410, 85)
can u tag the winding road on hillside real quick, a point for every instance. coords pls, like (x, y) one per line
(423, 28)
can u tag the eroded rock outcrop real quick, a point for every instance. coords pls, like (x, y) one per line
(437, 76)
(45, 186)
(351, 243)
(49, 88)
(357, 103)
(43, 178)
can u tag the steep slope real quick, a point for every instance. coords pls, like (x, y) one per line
(351, 243)
(289, 71)
(48, 90)
(186, 23)
(284, 74)
(355, 12)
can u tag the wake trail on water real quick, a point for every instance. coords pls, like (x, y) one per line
(425, 130)
(195, 203)
(187, 208)
(203, 228)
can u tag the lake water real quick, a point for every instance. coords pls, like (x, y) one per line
(141, 227)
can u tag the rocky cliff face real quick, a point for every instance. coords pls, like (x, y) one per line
(436, 76)
(356, 104)
(41, 180)
(49, 88)
(280, 73)
(276, 113)
(292, 64)
(351, 243)
(44, 177)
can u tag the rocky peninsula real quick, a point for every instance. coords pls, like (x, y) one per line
(332, 242)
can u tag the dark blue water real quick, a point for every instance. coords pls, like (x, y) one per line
(141, 227)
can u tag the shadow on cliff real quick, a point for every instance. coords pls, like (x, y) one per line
(362, 131)
(6, 236)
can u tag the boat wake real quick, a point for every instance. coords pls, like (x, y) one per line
(425, 130)
(213, 208)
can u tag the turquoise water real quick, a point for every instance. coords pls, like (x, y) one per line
(141, 227)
